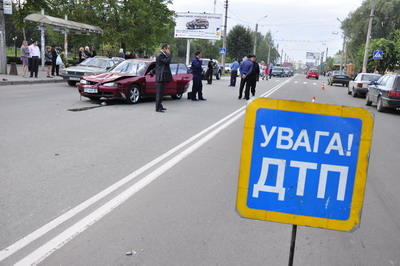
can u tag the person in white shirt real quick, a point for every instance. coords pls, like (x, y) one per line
(35, 54)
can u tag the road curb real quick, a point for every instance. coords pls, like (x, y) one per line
(24, 82)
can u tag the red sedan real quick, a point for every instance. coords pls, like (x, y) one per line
(313, 73)
(132, 80)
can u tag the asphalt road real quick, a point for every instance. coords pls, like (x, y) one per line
(123, 185)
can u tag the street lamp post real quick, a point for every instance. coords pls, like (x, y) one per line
(371, 16)
(15, 45)
(255, 35)
(344, 43)
(269, 47)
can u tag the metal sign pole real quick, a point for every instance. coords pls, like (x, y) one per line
(292, 245)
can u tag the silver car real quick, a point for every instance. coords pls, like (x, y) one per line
(97, 64)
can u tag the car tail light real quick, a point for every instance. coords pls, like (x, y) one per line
(359, 85)
(394, 94)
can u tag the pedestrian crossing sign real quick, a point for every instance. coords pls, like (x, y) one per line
(378, 54)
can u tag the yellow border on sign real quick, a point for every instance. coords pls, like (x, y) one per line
(313, 108)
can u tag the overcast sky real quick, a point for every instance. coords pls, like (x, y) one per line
(298, 26)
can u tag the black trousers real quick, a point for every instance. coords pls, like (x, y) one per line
(197, 88)
(243, 82)
(54, 67)
(34, 65)
(209, 75)
(159, 94)
(253, 84)
(233, 78)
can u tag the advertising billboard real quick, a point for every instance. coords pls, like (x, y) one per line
(198, 26)
(313, 55)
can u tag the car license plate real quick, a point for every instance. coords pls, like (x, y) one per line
(340, 77)
(72, 78)
(90, 90)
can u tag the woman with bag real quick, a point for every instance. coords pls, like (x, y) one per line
(48, 62)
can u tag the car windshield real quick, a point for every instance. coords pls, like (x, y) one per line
(313, 70)
(397, 84)
(277, 68)
(340, 73)
(94, 62)
(130, 67)
(370, 77)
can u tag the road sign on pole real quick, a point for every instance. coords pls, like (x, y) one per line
(222, 51)
(304, 163)
(378, 54)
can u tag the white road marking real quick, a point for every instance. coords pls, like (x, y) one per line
(60, 240)
(295, 81)
(314, 83)
(305, 82)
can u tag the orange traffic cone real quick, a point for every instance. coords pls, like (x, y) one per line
(313, 99)
(323, 86)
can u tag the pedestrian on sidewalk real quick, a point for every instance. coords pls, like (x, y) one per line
(34, 52)
(24, 57)
(82, 54)
(234, 70)
(54, 67)
(246, 67)
(196, 69)
(210, 70)
(48, 61)
(163, 75)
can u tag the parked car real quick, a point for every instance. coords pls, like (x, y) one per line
(287, 71)
(132, 80)
(385, 92)
(91, 65)
(340, 77)
(278, 72)
(197, 24)
(217, 68)
(359, 85)
(228, 68)
(312, 73)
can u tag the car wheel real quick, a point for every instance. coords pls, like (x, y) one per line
(177, 96)
(379, 106)
(133, 94)
(367, 101)
(94, 98)
(71, 83)
(316, 78)
(218, 76)
(354, 94)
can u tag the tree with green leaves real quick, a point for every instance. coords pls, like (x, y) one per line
(240, 42)
(389, 59)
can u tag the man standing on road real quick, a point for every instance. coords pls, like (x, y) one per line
(270, 67)
(35, 54)
(254, 76)
(197, 88)
(163, 75)
(246, 67)
(234, 69)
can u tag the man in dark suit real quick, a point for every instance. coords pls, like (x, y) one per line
(254, 76)
(196, 69)
(163, 75)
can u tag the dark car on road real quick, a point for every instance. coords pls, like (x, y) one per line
(339, 77)
(278, 72)
(197, 24)
(385, 92)
(132, 80)
(359, 85)
(91, 65)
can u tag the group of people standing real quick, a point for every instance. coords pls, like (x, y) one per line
(30, 57)
(85, 53)
(163, 75)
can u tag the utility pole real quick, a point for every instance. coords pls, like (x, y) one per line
(341, 59)
(215, 3)
(3, 53)
(371, 16)
(255, 35)
(282, 57)
(224, 40)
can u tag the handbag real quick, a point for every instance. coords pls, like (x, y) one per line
(59, 61)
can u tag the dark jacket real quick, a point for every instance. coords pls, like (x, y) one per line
(163, 71)
(196, 68)
(255, 74)
(210, 67)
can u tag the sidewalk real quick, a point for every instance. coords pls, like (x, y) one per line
(6, 80)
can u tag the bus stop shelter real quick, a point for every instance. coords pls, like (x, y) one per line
(63, 26)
